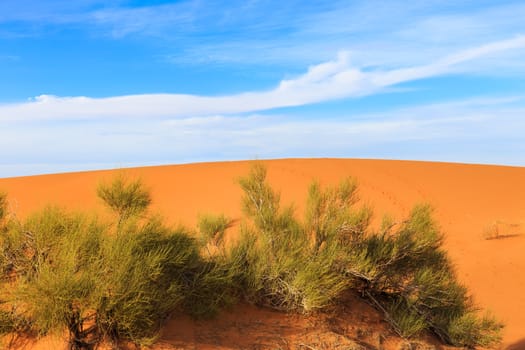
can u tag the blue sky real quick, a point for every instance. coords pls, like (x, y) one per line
(92, 84)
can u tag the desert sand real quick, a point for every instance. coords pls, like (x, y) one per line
(472, 202)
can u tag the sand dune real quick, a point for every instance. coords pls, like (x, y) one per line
(472, 202)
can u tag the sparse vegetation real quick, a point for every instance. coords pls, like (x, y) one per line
(126, 198)
(213, 227)
(3, 206)
(120, 280)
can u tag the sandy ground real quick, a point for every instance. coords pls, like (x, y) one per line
(472, 203)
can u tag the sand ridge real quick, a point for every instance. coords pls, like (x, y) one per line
(469, 201)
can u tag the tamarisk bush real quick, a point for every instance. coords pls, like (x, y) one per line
(285, 267)
(98, 280)
(401, 268)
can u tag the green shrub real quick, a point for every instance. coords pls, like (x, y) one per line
(215, 280)
(143, 279)
(151, 270)
(470, 330)
(127, 198)
(403, 318)
(402, 268)
(11, 322)
(213, 227)
(97, 280)
(406, 263)
(57, 271)
(287, 266)
(3, 206)
(331, 213)
(212, 285)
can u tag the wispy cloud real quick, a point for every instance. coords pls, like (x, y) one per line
(485, 130)
(327, 81)
(376, 32)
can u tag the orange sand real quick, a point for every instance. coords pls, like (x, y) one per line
(469, 200)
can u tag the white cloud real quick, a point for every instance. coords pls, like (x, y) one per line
(488, 130)
(386, 33)
(327, 81)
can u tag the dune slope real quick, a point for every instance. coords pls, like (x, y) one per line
(472, 202)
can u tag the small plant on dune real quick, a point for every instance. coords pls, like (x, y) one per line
(150, 269)
(127, 198)
(470, 330)
(143, 279)
(289, 265)
(3, 206)
(332, 213)
(213, 227)
(52, 258)
(214, 282)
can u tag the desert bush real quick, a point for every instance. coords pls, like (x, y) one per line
(150, 270)
(99, 284)
(10, 322)
(96, 279)
(4, 258)
(403, 318)
(215, 279)
(286, 265)
(470, 329)
(7, 323)
(405, 271)
(331, 213)
(54, 258)
(212, 285)
(143, 279)
(401, 268)
(213, 227)
(3, 206)
(127, 198)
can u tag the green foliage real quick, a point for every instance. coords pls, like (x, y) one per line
(402, 317)
(470, 330)
(330, 213)
(405, 262)
(401, 268)
(213, 281)
(213, 227)
(212, 285)
(53, 256)
(125, 197)
(3, 206)
(104, 281)
(287, 266)
(39, 240)
(10, 322)
(143, 279)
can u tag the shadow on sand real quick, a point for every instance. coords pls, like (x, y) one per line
(519, 345)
